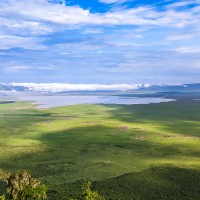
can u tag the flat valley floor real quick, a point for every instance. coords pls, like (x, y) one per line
(135, 152)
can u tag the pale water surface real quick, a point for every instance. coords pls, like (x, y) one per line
(54, 101)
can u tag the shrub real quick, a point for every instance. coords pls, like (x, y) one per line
(21, 186)
(2, 197)
(88, 194)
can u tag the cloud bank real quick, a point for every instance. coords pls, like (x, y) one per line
(59, 87)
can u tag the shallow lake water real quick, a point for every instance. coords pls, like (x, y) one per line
(55, 101)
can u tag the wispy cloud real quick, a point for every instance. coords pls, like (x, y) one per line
(190, 50)
(183, 4)
(34, 14)
(182, 37)
(12, 41)
(112, 1)
(18, 69)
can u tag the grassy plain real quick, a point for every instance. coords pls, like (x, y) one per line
(128, 151)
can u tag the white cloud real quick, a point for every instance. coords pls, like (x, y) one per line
(180, 37)
(182, 3)
(59, 87)
(17, 69)
(92, 31)
(37, 14)
(11, 41)
(24, 27)
(186, 50)
(112, 1)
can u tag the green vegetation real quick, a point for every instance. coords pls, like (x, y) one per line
(164, 182)
(88, 194)
(2, 197)
(128, 151)
(21, 186)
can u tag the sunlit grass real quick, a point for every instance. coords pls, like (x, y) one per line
(98, 142)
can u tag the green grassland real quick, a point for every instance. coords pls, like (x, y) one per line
(129, 151)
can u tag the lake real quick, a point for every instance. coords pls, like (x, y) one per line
(45, 101)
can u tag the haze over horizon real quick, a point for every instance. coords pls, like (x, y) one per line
(65, 87)
(100, 41)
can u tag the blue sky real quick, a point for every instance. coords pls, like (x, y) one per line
(100, 41)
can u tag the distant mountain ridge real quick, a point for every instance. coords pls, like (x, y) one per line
(174, 88)
(9, 87)
(58, 87)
